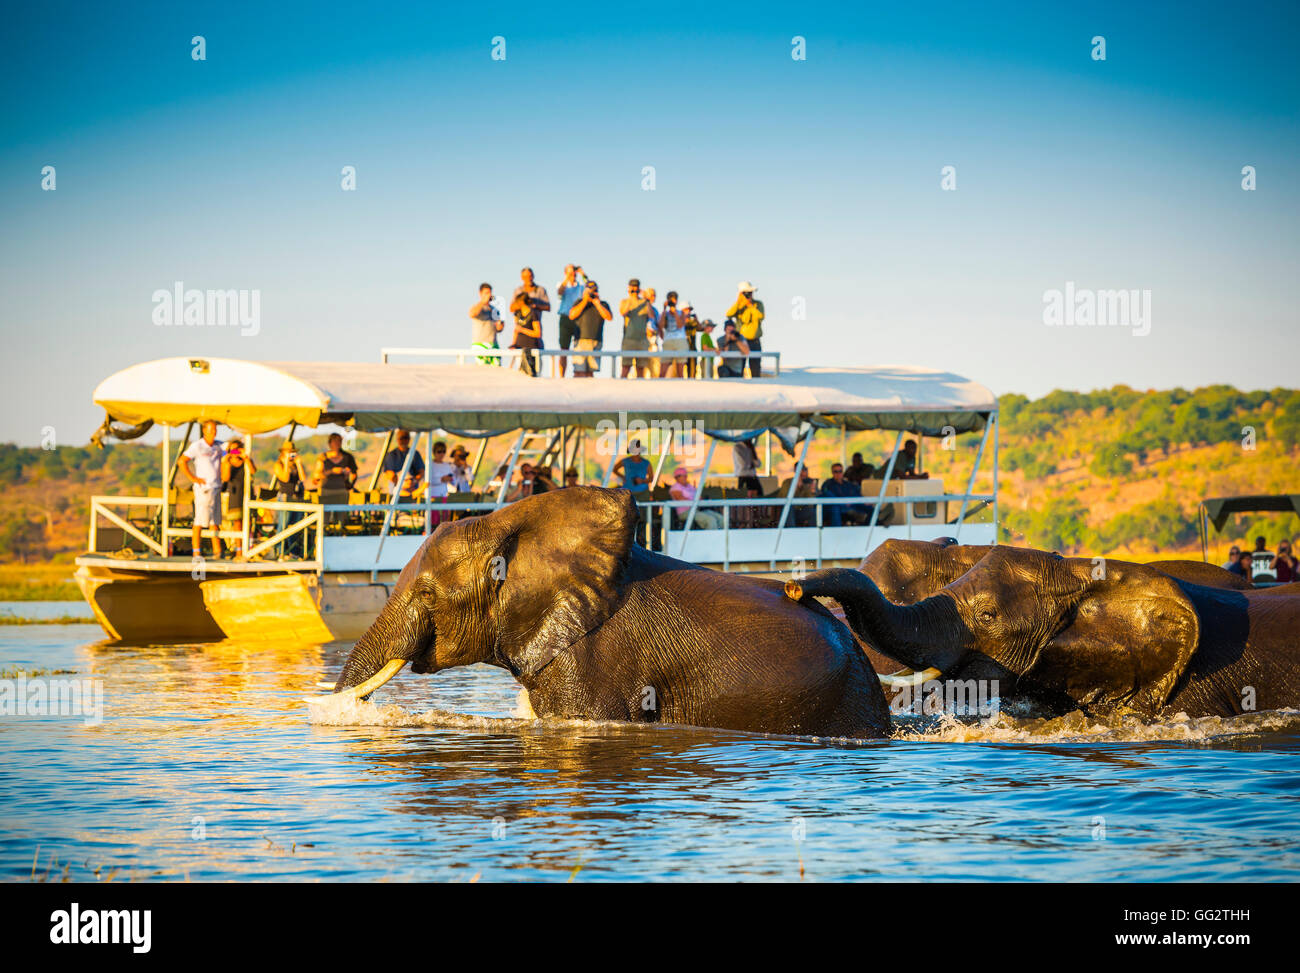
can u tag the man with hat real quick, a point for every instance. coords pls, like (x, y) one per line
(749, 315)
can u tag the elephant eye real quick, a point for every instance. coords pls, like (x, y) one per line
(987, 614)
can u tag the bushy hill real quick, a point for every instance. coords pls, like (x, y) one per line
(1114, 471)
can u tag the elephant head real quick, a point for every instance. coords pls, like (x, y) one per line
(908, 571)
(1100, 633)
(512, 588)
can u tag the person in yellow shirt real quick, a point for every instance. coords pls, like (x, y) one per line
(749, 315)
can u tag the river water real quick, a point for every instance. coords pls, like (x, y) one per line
(208, 765)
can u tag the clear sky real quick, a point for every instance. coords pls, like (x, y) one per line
(817, 179)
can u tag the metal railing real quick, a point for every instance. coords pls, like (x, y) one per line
(513, 355)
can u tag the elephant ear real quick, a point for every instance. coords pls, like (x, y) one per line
(1127, 641)
(562, 558)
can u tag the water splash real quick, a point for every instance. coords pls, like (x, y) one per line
(1008, 726)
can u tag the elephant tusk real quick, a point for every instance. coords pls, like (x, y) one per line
(391, 668)
(793, 590)
(905, 678)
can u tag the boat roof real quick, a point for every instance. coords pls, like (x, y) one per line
(258, 397)
(1219, 509)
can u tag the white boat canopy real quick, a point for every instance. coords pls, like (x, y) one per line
(258, 397)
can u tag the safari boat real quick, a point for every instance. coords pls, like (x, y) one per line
(322, 571)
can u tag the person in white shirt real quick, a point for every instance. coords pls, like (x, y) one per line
(460, 470)
(201, 462)
(441, 473)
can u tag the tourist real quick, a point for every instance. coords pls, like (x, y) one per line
(1284, 565)
(570, 478)
(460, 477)
(289, 480)
(835, 514)
(442, 475)
(335, 475)
(537, 295)
(487, 325)
(744, 463)
(653, 334)
(802, 515)
(748, 313)
(858, 470)
(589, 315)
(692, 324)
(672, 329)
(905, 464)
(569, 290)
(636, 313)
(1234, 553)
(1243, 566)
(528, 484)
(201, 463)
(704, 333)
(394, 462)
(732, 349)
(683, 490)
(634, 468)
(528, 330)
(233, 481)
(336, 470)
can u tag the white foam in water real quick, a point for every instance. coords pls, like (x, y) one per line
(1076, 727)
(1006, 726)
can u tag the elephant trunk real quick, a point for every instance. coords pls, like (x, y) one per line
(927, 635)
(402, 633)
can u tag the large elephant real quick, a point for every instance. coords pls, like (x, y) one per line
(554, 590)
(1111, 636)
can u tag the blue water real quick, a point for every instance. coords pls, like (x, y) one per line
(206, 766)
(46, 609)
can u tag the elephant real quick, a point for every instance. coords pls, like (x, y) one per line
(553, 589)
(909, 571)
(1126, 638)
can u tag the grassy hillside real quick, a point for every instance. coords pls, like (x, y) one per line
(1115, 471)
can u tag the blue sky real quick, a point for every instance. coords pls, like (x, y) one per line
(817, 179)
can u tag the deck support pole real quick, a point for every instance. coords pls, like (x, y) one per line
(699, 492)
(794, 486)
(391, 512)
(510, 471)
(884, 486)
(970, 484)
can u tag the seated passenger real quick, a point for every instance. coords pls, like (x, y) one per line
(1284, 565)
(683, 490)
(905, 464)
(837, 515)
(1234, 553)
(1242, 566)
